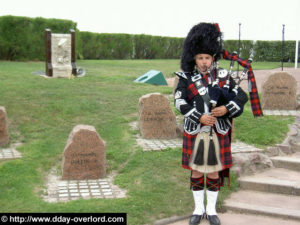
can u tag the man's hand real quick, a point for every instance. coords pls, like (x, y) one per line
(208, 120)
(219, 111)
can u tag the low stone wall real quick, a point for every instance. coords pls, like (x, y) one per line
(248, 163)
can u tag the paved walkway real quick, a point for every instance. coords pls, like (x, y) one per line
(58, 190)
(241, 219)
(10, 152)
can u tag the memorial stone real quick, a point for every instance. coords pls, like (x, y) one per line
(60, 54)
(279, 92)
(156, 117)
(84, 156)
(4, 138)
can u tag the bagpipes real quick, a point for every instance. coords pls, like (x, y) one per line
(222, 74)
(253, 92)
(206, 153)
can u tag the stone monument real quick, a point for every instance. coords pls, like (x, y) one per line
(60, 54)
(3, 127)
(156, 117)
(279, 92)
(84, 156)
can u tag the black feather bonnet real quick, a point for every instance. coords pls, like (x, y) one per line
(203, 38)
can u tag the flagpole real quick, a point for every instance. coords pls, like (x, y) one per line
(282, 47)
(239, 46)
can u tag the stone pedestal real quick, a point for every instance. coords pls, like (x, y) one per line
(156, 117)
(84, 156)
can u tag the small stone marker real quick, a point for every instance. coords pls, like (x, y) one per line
(3, 127)
(84, 155)
(156, 117)
(279, 92)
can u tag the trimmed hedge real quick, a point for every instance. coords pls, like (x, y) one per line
(264, 50)
(272, 51)
(106, 46)
(127, 46)
(157, 47)
(246, 47)
(23, 38)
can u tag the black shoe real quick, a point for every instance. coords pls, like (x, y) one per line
(196, 219)
(213, 220)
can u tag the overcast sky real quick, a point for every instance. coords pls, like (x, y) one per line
(260, 19)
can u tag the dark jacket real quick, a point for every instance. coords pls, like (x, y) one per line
(191, 104)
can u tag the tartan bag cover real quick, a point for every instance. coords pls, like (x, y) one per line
(254, 98)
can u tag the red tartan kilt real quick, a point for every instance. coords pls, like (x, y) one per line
(225, 149)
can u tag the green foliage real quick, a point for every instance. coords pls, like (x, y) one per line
(157, 47)
(246, 47)
(106, 46)
(271, 51)
(126, 46)
(23, 38)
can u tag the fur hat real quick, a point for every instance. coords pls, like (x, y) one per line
(203, 38)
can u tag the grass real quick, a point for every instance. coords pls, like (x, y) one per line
(261, 131)
(271, 65)
(42, 112)
(259, 65)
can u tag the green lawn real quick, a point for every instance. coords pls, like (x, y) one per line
(259, 65)
(42, 113)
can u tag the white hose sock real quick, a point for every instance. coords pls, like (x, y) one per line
(199, 202)
(212, 197)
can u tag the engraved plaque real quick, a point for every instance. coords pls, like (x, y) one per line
(84, 155)
(156, 118)
(279, 92)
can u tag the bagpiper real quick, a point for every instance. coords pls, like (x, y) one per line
(209, 99)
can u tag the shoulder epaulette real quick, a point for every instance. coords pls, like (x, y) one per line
(181, 74)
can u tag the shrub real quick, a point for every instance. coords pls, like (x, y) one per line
(23, 38)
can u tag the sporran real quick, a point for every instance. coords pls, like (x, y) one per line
(200, 156)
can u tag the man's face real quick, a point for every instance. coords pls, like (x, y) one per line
(203, 62)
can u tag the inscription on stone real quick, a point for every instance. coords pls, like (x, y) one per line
(156, 118)
(84, 155)
(61, 55)
(279, 92)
